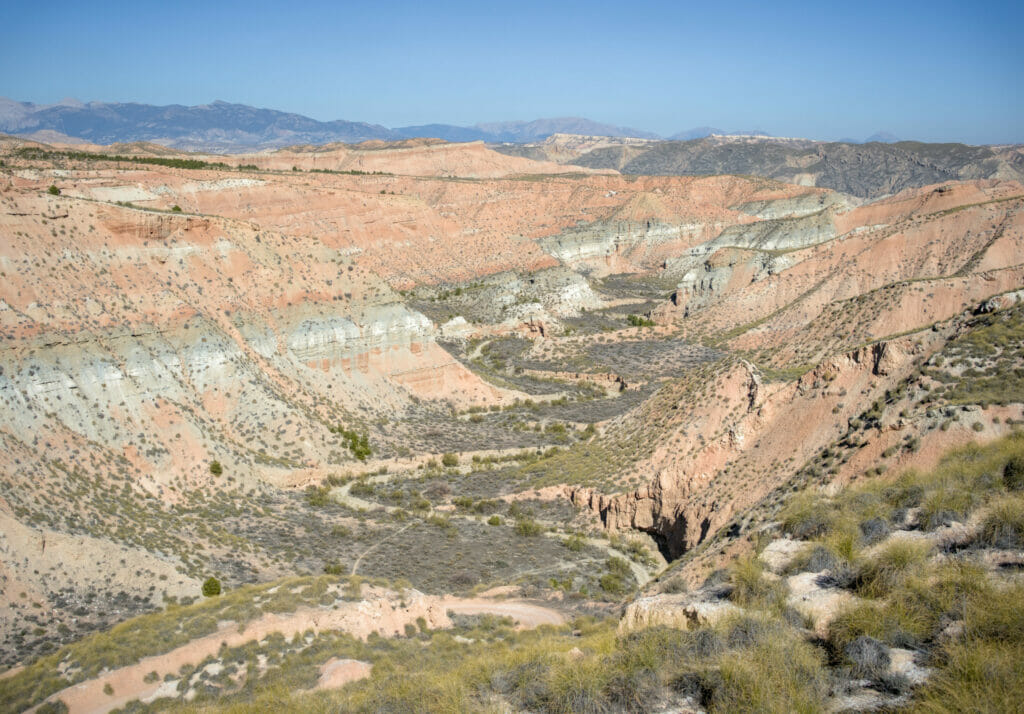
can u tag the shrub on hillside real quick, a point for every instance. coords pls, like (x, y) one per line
(1013, 473)
(211, 587)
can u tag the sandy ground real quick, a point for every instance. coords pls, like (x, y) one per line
(337, 673)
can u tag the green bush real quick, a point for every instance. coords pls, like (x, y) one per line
(528, 528)
(215, 468)
(318, 496)
(1013, 473)
(358, 444)
(612, 584)
(53, 190)
(211, 587)
(448, 460)
(575, 542)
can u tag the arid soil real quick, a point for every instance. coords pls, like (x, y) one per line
(384, 613)
(536, 358)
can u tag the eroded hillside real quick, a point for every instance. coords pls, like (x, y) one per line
(456, 369)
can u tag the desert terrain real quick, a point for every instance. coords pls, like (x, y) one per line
(413, 404)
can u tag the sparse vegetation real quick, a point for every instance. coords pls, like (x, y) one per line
(35, 154)
(911, 560)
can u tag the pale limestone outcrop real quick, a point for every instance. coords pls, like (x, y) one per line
(812, 596)
(685, 611)
(780, 553)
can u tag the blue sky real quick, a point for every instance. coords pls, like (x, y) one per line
(928, 70)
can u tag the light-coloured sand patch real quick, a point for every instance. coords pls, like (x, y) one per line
(335, 673)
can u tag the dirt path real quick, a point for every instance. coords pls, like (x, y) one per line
(477, 351)
(385, 615)
(526, 614)
(355, 565)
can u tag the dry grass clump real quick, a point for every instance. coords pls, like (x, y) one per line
(752, 589)
(966, 479)
(891, 566)
(983, 669)
(779, 673)
(1003, 526)
(967, 623)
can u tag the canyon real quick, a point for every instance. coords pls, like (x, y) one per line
(460, 367)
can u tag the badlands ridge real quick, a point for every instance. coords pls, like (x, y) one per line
(534, 353)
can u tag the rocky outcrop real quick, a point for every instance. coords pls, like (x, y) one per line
(728, 442)
(686, 611)
(1001, 302)
(807, 204)
(705, 281)
(777, 234)
(609, 247)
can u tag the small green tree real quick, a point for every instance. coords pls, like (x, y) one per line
(211, 587)
(53, 190)
(449, 460)
(175, 208)
(215, 468)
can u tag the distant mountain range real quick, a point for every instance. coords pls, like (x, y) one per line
(226, 127)
(222, 126)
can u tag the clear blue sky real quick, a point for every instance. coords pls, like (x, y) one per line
(931, 70)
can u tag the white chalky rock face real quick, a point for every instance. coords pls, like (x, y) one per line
(336, 337)
(109, 388)
(797, 206)
(580, 247)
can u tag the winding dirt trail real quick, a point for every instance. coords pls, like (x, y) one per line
(385, 615)
(526, 614)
